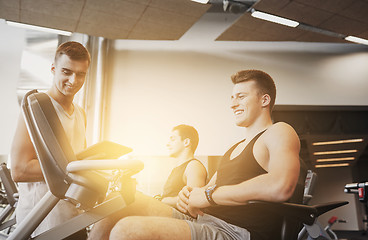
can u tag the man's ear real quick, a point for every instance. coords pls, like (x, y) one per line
(186, 142)
(266, 100)
(53, 68)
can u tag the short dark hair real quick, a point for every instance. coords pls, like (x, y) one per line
(186, 131)
(75, 50)
(264, 82)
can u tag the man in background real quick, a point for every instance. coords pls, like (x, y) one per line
(189, 171)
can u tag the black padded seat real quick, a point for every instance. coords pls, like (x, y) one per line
(294, 213)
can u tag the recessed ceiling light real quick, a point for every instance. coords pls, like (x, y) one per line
(335, 159)
(336, 152)
(338, 142)
(42, 29)
(357, 40)
(273, 18)
(201, 1)
(332, 165)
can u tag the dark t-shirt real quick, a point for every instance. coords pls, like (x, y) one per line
(260, 223)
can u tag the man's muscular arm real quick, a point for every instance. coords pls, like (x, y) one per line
(194, 176)
(282, 144)
(24, 163)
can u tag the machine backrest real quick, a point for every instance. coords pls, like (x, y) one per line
(49, 140)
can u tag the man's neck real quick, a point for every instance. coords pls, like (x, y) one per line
(185, 156)
(262, 123)
(64, 101)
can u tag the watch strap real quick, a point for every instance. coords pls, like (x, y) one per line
(208, 192)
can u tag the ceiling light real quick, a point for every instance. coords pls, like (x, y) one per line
(201, 1)
(336, 152)
(43, 29)
(332, 165)
(273, 18)
(338, 142)
(335, 159)
(357, 40)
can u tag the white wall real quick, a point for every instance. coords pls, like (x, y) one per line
(12, 42)
(157, 87)
(157, 90)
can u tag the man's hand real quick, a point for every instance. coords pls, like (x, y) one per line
(197, 198)
(197, 201)
(191, 200)
(183, 200)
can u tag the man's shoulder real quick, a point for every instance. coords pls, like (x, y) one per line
(280, 130)
(281, 137)
(280, 127)
(79, 108)
(194, 164)
(80, 111)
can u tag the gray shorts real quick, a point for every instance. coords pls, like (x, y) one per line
(210, 227)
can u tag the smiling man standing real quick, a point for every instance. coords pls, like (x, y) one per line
(69, 73)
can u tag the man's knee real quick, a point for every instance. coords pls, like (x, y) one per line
(129, 228)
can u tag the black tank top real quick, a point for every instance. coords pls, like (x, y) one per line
(175, 182)
(260, 223)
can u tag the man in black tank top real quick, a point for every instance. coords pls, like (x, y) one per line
(189, 171)
(264, 166)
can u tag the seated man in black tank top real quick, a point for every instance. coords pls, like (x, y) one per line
(264, 166)
(189, 171)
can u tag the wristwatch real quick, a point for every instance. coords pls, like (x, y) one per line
(158, 197)
(209, 191)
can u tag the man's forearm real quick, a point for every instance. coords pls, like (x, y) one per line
(30, 172)
(259, 188)
(172, 201)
